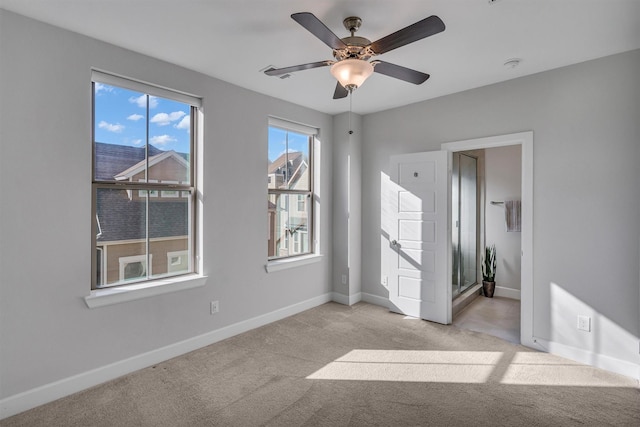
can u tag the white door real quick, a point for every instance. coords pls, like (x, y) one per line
(419, 236)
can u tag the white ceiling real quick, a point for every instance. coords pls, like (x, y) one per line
(233, 39)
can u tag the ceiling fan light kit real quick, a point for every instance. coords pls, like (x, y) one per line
(351, 73)
(351, 66)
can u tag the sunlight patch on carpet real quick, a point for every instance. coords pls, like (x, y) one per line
(468, 367)
(411, 366)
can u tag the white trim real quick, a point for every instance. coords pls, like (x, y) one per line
(125, 293)
(619, 366)
(293, 126)
(525, 139)
(501, 291)
(375, 299)
(144, 87)
(47, 393)
(346, 299)
(285, 263)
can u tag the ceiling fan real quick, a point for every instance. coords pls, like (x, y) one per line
(351, 66)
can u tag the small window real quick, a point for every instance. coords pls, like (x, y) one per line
(133, 267)
(143, 181)
(177, 261)
(290, 188)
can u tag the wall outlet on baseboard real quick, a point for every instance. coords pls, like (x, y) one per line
(215, 307)
(584, 323)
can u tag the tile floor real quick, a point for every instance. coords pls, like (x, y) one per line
(497, 316)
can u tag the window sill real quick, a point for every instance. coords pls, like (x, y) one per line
(110, 296)
(283, 264)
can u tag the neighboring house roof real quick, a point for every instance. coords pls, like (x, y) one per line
(122, 217)
(154, 160)
(294, 163)
(112, 159)
(294, 157)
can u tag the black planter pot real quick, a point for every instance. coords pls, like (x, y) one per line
(488, 288)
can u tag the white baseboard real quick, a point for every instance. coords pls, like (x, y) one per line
(608, 363)
(21, 402)
(346, 299)
(375, 299)
(501, 291)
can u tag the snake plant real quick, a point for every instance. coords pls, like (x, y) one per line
(489, 264)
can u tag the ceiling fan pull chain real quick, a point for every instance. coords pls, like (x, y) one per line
(350, 105)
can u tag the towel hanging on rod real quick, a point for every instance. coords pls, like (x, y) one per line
(512, 215)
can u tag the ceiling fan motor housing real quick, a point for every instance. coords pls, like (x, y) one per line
(357, 48)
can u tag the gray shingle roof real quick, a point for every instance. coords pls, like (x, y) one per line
(124, 218)
(111, 159)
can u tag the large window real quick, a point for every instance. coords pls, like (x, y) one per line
(143, 181)
(290, 187)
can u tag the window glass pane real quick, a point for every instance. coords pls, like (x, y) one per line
(169, 231)
(142, 143)
(123, 225)
(288, 166)
(169, 141)
(288, 226)
(120, 131)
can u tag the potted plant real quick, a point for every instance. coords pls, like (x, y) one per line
(489, 271)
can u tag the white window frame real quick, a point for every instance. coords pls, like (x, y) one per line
(279, 263)
(99, 297)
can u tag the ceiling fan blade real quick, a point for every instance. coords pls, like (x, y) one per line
(398, 72)
(421, 29)
(317, 28)
(309, 66)
(340, 92)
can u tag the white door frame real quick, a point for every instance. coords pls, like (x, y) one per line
(525, 139)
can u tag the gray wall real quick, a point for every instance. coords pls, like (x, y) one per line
(503, 180)
(46, 330)
(585, 203)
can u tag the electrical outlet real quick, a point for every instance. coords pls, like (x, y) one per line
(584, 323)
(215, 307)
(384, 280)
(344, 279)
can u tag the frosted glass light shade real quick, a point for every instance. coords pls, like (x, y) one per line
(351, 72)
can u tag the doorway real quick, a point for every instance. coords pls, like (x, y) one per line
(525, 141)
(417, 221)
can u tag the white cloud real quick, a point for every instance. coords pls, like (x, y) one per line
(141, 101)
(163, 119)
(137, 142)
(99, 87)
(117, 128)
(135, 117)
(162, 139)
(185, 123)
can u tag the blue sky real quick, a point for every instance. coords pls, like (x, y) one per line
(278, 143)
(121, 118)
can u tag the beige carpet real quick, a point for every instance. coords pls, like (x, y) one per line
(353, 366)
